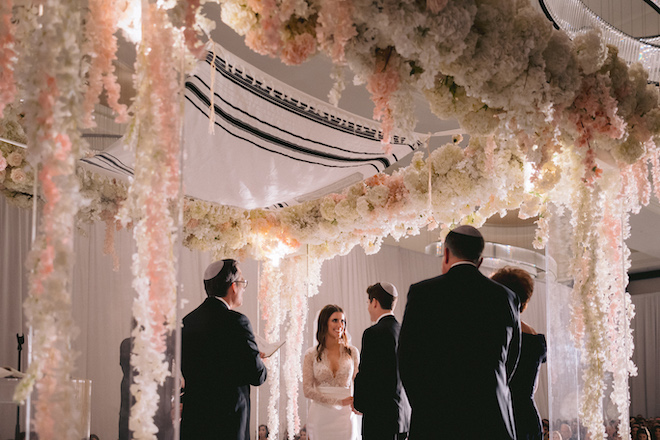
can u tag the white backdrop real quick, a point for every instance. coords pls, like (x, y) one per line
(102, 302)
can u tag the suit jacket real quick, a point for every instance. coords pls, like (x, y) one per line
(219, 362)
(378, 393)
(458, 348)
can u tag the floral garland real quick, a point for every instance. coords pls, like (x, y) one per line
(49, 76)
(155, 134)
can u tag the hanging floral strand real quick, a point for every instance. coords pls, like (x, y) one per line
(49, 75)
(271, 285)
(156, 136)
(7, 55)
(100, 29)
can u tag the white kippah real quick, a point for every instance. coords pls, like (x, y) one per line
(389, 288)
(468, 230)
(213, 270)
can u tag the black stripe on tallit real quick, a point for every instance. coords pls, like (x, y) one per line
(240, 126)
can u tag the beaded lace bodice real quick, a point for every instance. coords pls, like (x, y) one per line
(319, 374)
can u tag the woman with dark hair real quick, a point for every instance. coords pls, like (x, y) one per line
(643, 434)
(263, 432)
(656, 432)
(328, 373)
(533, 351)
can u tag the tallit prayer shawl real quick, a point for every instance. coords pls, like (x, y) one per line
(272, 145)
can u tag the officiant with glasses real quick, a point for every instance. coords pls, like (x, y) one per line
(219, 359)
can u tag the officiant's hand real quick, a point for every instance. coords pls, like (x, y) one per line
(347, 401)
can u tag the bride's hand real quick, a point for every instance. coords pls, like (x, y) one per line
(347, 401)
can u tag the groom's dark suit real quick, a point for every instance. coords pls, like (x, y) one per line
(458, 347)
(378, 393)
(219, 361)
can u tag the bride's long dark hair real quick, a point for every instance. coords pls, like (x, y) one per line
(322, 330)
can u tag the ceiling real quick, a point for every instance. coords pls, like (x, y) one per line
(313, 78)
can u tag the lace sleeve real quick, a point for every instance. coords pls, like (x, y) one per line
(310, 384)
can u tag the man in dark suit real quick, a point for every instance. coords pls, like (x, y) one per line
(458, 347)
(219, 360)
(379, 395)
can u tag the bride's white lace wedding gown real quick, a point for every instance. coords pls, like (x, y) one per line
(327, 419)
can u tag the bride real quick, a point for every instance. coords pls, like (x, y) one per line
(328, 373)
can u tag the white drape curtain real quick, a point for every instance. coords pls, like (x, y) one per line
(645, 387)
(102, 300)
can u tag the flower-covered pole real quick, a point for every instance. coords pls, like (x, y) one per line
(155, 134)
(48, 69)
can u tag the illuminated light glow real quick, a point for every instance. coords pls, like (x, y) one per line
(277, 251)
(130, 20)
(528, 170)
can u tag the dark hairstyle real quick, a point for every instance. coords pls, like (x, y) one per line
(643, 430)
(518, 280)
(267, 430)
(465, 247)
(93, 437)
(219, 284)
(385, 300)
(322, 329)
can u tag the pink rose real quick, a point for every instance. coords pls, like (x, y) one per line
(297, 50)
(15, 159)
(3, 162)
(18, 175)
(3, 173)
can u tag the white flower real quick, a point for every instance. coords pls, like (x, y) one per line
(18, 175)
(238, 17)
(15, 159)
(591, 51)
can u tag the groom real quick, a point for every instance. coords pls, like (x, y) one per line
(459, 346)
(378, 393)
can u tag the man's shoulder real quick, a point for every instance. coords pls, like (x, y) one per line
(428, 284)
(386, 328)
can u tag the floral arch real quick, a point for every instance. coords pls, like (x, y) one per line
(550, 119)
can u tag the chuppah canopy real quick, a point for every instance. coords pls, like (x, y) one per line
(264, 143)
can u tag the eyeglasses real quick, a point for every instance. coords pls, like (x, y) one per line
(242, 282)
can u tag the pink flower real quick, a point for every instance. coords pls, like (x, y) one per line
(436, 6)
(103, 17)
(382, 84)
(3, 162)
(7, 55)
(15, 159)
(298, 49)
(18, 175)
(257, 40)
(335, 28)
(3, 174)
